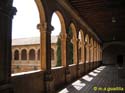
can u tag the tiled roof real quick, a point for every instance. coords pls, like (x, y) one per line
(30, 40)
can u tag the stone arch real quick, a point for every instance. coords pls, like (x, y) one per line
(24, 54)
(81, 44)
(16, 54)
(74, 41)
(62, 21)
(31, 54)
(41, 11)
(87, 48)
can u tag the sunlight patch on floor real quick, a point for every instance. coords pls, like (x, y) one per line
(78, 85)
(87, 78)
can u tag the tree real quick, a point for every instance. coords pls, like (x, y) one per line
(58, 52)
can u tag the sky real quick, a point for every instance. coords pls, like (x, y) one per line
(26, 19)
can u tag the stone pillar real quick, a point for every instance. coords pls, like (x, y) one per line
(6, 15)
(94, 57)
(67, 70)
(45, 49)
(82, 53)
(85, 45)
(77, 50)
(20, 56)
(89, 57)
(63, 49)
(36, 55)
(28, 55)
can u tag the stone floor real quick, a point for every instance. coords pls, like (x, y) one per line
(105, 79)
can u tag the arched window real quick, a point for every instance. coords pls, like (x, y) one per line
(24, 54)
(16, 55)
(38, 53)
(32, 54)
(52, 54)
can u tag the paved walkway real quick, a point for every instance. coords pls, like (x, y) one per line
(105, 79)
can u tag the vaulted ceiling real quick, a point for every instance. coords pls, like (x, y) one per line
(105, 17)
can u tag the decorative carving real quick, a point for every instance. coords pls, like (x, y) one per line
(42, 26)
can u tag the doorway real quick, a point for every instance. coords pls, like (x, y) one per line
(120, 60)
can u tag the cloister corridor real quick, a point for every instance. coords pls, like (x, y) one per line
(86, 56)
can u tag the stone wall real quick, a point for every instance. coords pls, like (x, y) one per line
(111, 52)
(28, 82)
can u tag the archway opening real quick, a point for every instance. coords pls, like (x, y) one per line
(57, 39)
(25, 35)
(72, 44)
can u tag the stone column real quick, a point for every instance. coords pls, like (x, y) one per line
(89, 57)
(6, 15)
(36, 55)
(45, 49)
(20, 55)
(67, 70)
(63, 49)
(77, 57)
(82, 53)
(75, 50)
(27, 55)
(85, 49)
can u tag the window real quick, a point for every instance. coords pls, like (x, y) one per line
(32, 54)
(16, 55)
(24, 54)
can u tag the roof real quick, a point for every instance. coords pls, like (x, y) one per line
(105, 17)
(30, 41)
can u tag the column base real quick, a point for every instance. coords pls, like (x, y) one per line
(49, 82)
(78, 72)
(6, 88)
(67, 75)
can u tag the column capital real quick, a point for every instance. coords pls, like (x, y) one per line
(42, 26)
(8, 11)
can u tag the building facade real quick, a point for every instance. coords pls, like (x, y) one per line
(26, 54)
